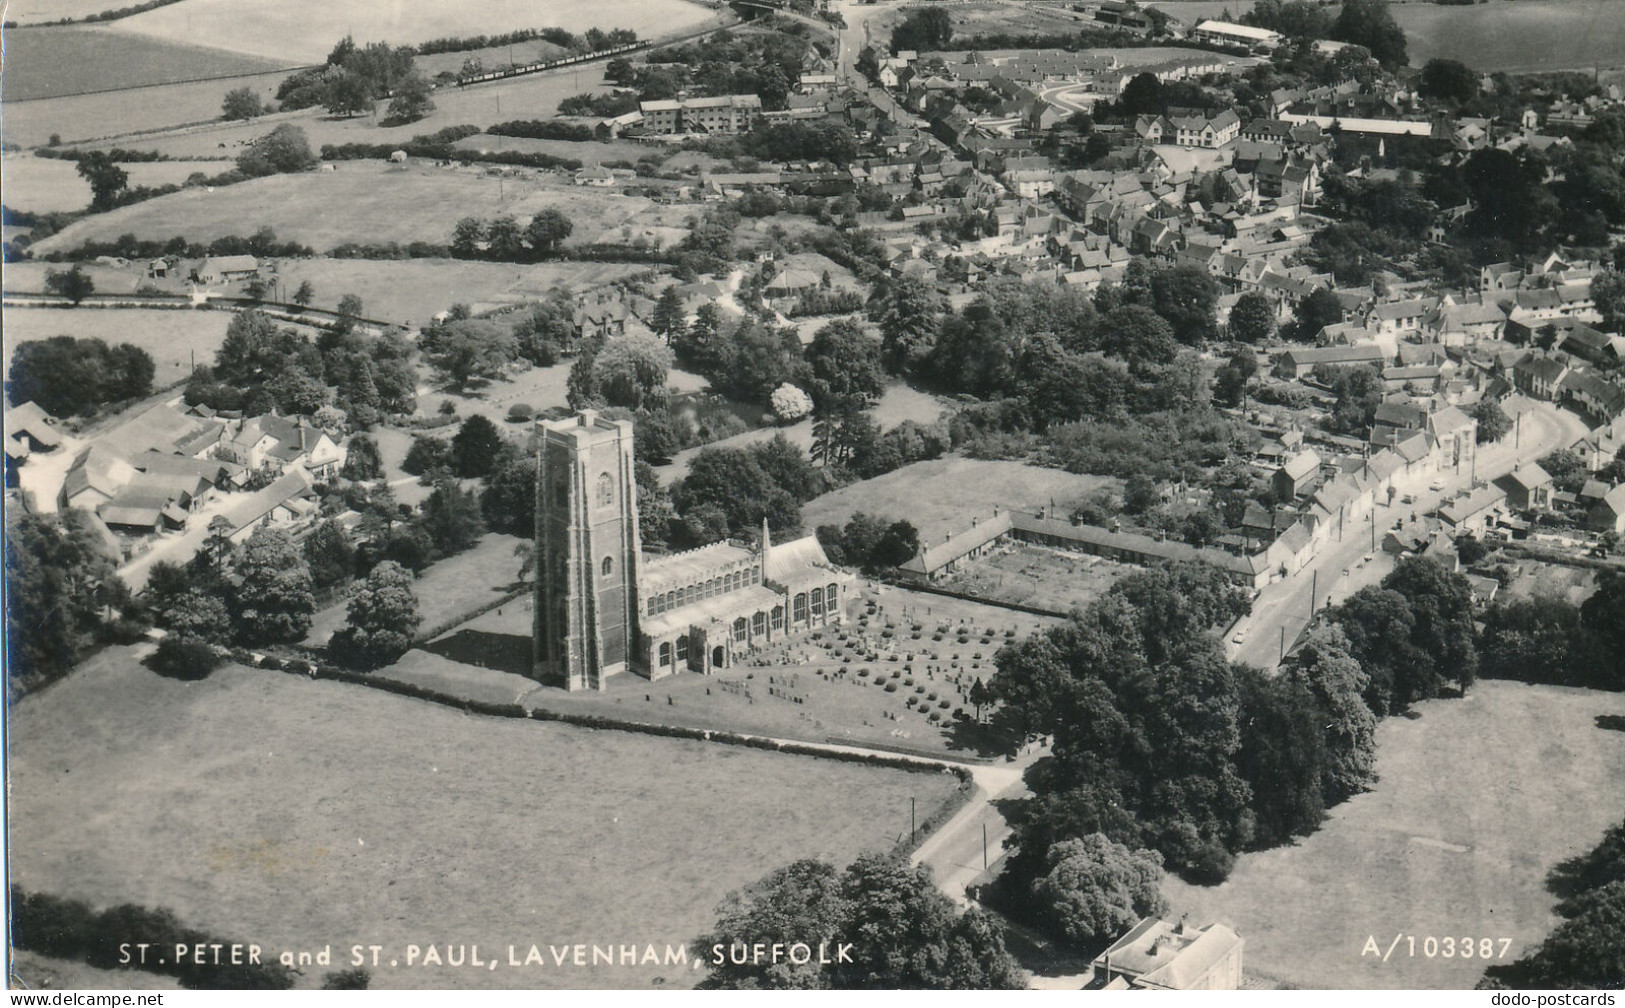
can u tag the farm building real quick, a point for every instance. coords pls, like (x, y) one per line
(1229, 33)
(224, 269)
(1156, 955)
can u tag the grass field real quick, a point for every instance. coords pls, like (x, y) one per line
(306, 30)
(69, 60)
(942, 495)
(1477, 801)
(363, 201)
(30, 12)
(1038, 576)
(416, 289)
(48, 185)
(1528, 36)
(298, 813)
(171, 337)
(447, 588)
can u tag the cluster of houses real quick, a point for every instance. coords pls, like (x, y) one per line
(175, 469)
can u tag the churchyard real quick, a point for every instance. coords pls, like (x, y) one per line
(1476, 801)
(234, 802)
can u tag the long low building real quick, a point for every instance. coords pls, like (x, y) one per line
(721, 114)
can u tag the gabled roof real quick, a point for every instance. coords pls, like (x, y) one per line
(786, 562)
(1302, 464)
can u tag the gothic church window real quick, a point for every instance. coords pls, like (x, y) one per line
(606, 490)
(608, 566)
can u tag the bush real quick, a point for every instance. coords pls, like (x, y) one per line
(520, 412)
(184, 658)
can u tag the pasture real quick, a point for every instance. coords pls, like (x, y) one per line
(414, 290)
(306, 30)
(942, 495)
(59, 61)
(1477, 800)
(1528, 36)
(50, 185)
(363, 201)
(174, 338)
(297, 813)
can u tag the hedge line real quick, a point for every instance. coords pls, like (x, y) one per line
(322, 670)
(69, 929)
(446, 624)
(444, 152)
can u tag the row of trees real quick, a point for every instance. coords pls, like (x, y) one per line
(352, 80)
(504, 240)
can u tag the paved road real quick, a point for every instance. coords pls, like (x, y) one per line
(1284, 607)
(955, 851)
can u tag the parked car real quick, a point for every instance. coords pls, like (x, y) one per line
(1437, 484)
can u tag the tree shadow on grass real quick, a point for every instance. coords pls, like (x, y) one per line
(483, 649)
(1611, 722)
(981, 739)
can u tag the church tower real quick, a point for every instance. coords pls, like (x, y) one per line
(586, 605)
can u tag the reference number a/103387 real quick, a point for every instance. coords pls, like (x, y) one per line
(1436, 947)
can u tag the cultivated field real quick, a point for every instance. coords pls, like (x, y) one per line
(1038, 576)
(363, 201)
(48, 185)
(117, 113)
(942, 495)
(1478, 800)
(306, 30)
(296, 813)
(1528, 36)
(173, 338)
(58, 61)
(29, 12)
(417, 289)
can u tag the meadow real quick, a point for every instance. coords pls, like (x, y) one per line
(68, 60)
(1526, 36)
(173, 338)
(1476, 801)
(295, 813)
(306, 30)
(49, 185)
(941, 495)
(362, 201)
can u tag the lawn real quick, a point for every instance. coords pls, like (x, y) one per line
(415, 290)
(306, 30)
(826, 686)
(173, 338)
(1477, 801)
(446, 589)
(1038, 576)
(537, 387)
(58, 61)
(48, 185)
(941, 496)
(296, 813)
(363, 201)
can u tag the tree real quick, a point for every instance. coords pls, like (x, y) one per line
(275, 593)
(908, 323)
(1450, 80)
(362, 461)
(242, 103)
(631, 371)
(61, 586)
(303, 296)
(1603, 616)
(475, 447)
(284, 149)
(1138, 336)
(509, 503)
(470, 353)
(1368, 23)
(899, 544)
(349, 312)
(74, 284)
(411, 100)
(67, 376)
(1538, 640)
(347, 93)
(1411, 633)
(846, 364)
(1282, 756)
(546, 231)
(1315, 311)
(801, 902)
(789, 403)
(467, 237)
(1252, 320)
(1185, 296)
(451, 518)
(927, 29)
(1142, 95)
(1096, 890)
(1493, 422)
(668, 316)
(382, 617)
(330, 554)
(1608, 292)
(107, 180)
(1323, 665)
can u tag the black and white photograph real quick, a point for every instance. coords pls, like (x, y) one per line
(668, 495)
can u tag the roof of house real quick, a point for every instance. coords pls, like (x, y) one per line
(160, 428)
(1528, 477)
(1478, 501)
(230, 263)
(1614, 500)
(1302, 464)
(30, 419)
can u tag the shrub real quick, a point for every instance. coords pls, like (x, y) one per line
(184, 658)
(891, 687)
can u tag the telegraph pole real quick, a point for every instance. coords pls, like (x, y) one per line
(911, 820)
(1314, 589)
(984, 846)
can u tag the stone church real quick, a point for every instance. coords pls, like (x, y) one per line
(603, 607)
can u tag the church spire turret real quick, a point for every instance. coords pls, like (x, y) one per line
(767, 544)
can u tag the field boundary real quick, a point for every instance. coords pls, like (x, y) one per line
(141, 87)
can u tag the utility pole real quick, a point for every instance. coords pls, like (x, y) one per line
(984, 846)
(911, 820)
(1314, 589)
(1283, 643)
